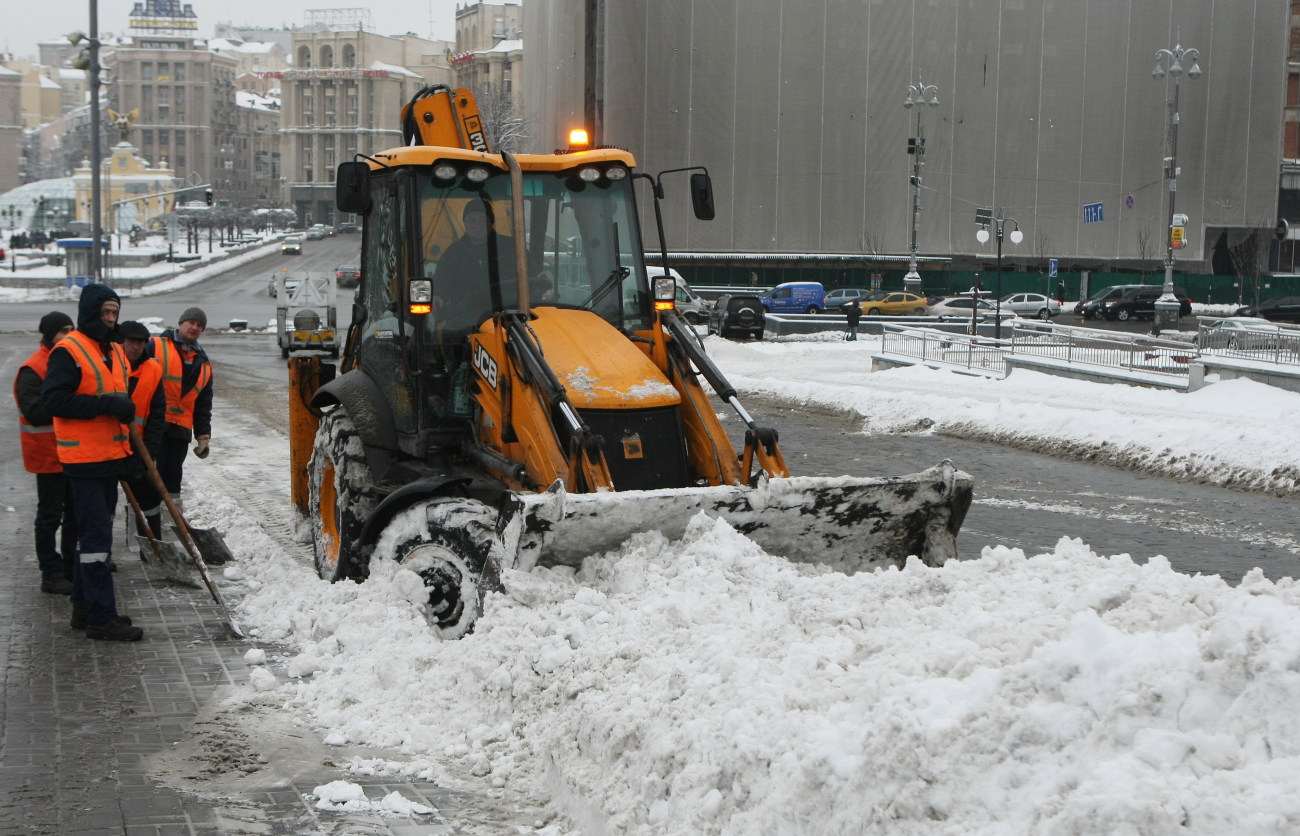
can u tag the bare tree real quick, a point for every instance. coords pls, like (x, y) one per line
(1145, 245)
(503, 121)
(1249, 250)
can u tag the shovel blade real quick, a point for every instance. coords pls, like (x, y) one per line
(848, 523)
(171, 558)
(212, 547)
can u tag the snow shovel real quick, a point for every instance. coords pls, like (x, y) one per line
(171, 557)
(182, 529)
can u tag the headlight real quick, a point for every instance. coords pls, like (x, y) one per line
(477, 174)
(664, 288)
(616, 172)
(421, 290)
(444, 171)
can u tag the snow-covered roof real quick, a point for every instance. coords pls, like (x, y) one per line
(49, 83)
(245, 99)
(503, 46)
(393, 68)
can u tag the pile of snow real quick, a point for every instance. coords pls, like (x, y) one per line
(704, 686)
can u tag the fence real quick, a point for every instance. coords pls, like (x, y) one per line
(933, 345)
(1275, 344)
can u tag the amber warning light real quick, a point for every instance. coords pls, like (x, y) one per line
(578, 138)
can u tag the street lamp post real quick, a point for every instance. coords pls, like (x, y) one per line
(1167, 306)
(927, 94)
(89, 62)
(984, 217)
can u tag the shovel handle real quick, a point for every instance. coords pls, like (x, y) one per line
(140, 521)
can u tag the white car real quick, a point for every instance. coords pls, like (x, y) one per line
(1032, 304)
(959, 307)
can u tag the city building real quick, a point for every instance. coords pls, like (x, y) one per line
(489, 49)
(131, 191)
(344, 95)
(1048, 112)
(11, 132)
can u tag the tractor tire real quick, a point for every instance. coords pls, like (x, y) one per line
(452, 544)
(339, 489)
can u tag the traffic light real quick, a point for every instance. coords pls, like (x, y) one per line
(207, 196)
(911, 145)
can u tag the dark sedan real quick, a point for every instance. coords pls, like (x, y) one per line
(1280, 309)
(348, 276)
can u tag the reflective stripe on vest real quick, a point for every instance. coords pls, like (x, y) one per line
(180, 405)
(40, 455)
(102, 438)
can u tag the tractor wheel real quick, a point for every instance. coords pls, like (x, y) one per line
(339, 490)
(453, 546)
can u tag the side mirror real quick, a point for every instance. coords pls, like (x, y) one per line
(702, 196)
(352, 187)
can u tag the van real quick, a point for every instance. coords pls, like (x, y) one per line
(796, 297)
(693, 308)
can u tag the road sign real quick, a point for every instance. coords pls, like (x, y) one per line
(1092, 213)
(1176, 237)
(1052, 266)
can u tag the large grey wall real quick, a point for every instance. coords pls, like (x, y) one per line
(795, 106)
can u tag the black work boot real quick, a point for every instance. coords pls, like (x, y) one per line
(117, 630)
(80, 622)
(56, 585)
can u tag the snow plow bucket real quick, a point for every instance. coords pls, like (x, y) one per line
(847, 523)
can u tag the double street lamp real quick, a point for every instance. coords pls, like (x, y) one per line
(917, 94)
(1167, 306)
(984, 217)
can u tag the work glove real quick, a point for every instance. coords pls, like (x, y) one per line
(120, 407)
(135, 469)
(201, 446)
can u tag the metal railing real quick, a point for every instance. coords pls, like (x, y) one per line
(1273, 343)
(1088, 346)
(953, 349)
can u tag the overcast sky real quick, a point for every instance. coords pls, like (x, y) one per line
(54, 18)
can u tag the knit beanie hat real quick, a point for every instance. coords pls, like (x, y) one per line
(51, 324)
(195, 314)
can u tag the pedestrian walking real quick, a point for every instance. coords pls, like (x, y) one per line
(145, 388)
(86, 391)
(1060, 291)
(853, 312)
(54, 516)
(187, 386)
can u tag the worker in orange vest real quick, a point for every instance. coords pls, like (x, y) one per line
(187, 383)
(86, 391)
(145, 385)
(54, 516)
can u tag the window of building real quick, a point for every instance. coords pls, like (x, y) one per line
(146, 137)
(164, 136)
(327, 56)
(146, 70)
(349, 55)
(164, 71)
(304, 57)
(178, 72)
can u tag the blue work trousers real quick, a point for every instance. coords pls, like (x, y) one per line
(92, 582)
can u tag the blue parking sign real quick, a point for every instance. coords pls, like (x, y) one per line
(1052, 265)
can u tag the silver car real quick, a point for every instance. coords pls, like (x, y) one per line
(1032, 304)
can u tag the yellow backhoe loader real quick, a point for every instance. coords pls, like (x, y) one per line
(515, 391)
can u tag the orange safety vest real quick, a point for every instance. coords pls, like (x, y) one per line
(146, 378)
(180, 405)
(102, 438)
(39, 452)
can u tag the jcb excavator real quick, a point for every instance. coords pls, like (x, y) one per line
(515, 391)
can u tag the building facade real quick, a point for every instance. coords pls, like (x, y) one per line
(343, 96)
(1048, 112)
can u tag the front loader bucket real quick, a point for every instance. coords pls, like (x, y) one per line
(847, 523)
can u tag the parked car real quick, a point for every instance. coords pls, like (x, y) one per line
(291, 245)
(795, 297)
(693, 307)
(1090, 308)
(348, 228)
(348, 276)
(1140, 303)
(895, 303)
(1032, 304)
(959, 307)
(737, 314)
(1279, 309)
(844, 295)
(1240, 332)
